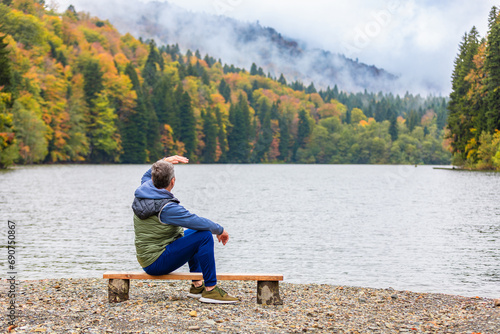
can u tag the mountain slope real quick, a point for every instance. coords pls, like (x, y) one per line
(242, 44)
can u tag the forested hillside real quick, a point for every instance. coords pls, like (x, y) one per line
(72, 89)
(474, 120)
(243, 43)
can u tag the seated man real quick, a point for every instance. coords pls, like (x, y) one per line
(161, 243)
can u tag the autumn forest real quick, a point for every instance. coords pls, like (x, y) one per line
(73, 89)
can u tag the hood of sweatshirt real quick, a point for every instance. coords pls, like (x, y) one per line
(148, 190)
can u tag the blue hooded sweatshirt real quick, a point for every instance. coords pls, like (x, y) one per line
(173, 213)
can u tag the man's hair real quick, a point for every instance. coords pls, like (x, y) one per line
(162, 174)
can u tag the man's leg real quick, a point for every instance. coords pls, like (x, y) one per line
(194, 263)
(182, 250)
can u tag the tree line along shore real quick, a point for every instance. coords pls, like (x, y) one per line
(73, 89)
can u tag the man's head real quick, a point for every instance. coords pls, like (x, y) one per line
(163, 174)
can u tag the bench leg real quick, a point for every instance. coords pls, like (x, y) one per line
(268, 293)
(118, 290)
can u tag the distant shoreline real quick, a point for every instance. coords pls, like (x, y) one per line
(460, 169)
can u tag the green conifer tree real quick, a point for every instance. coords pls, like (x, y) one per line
(393, 128)
(303, 132)
(92, 86)
(460, 115)
(282, 79)
(221, 136)
(187, 127)
(284, 145)
(239, 132)
(134, 127)
(492, 67)
(265, 137)
(153, 62)
(253, 69)
(210, 133)
(225, 90)
(5, 66)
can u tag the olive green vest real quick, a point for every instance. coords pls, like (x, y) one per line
(151, 238)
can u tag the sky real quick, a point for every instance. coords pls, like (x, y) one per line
(417, 40)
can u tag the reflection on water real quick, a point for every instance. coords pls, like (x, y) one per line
(378, 226)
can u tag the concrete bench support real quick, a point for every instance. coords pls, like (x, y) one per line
(118, 290)
(268, 292)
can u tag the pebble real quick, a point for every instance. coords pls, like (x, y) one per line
(81, 306)
(497, 302)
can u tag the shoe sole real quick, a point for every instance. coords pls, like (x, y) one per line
(194, 295)
(217, 301)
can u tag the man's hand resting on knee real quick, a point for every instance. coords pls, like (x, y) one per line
(224, 237)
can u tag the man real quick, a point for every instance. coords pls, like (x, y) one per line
(161, 243)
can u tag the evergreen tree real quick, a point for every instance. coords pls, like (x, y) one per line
(284, 145)
(282, 79)
(8, 147)
(303, 132)
(205, 79)
(412, 120)
(393, 128)
(348, 115)
(134, 127)
(492, 67)
(92, 76)
(311, 89)
(225, 90)
(221, 136)
(210, 132)
(5, 66)
(266, 135)
(164, 103)
(460, 118)
(187, 133)
(153, 136)
(238, 136)
(153, 62)
(253, 69)
(275, 110)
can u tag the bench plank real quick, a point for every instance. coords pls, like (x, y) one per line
(191, 276)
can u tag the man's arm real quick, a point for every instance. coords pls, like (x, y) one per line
(175, 214)
(175, 159)
(146, 177)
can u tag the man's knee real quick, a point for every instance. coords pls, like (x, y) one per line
(206, 235)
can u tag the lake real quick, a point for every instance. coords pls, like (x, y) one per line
(405, 227)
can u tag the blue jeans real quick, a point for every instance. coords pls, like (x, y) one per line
(196, 248)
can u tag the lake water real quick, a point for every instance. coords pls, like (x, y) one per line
(403, 227)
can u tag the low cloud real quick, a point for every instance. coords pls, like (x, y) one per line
(417, 40)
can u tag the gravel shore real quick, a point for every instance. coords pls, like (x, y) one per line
(80, 306)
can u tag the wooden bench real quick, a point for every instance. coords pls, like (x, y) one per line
(267, 284)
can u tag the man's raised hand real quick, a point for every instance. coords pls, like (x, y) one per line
(175, 159)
